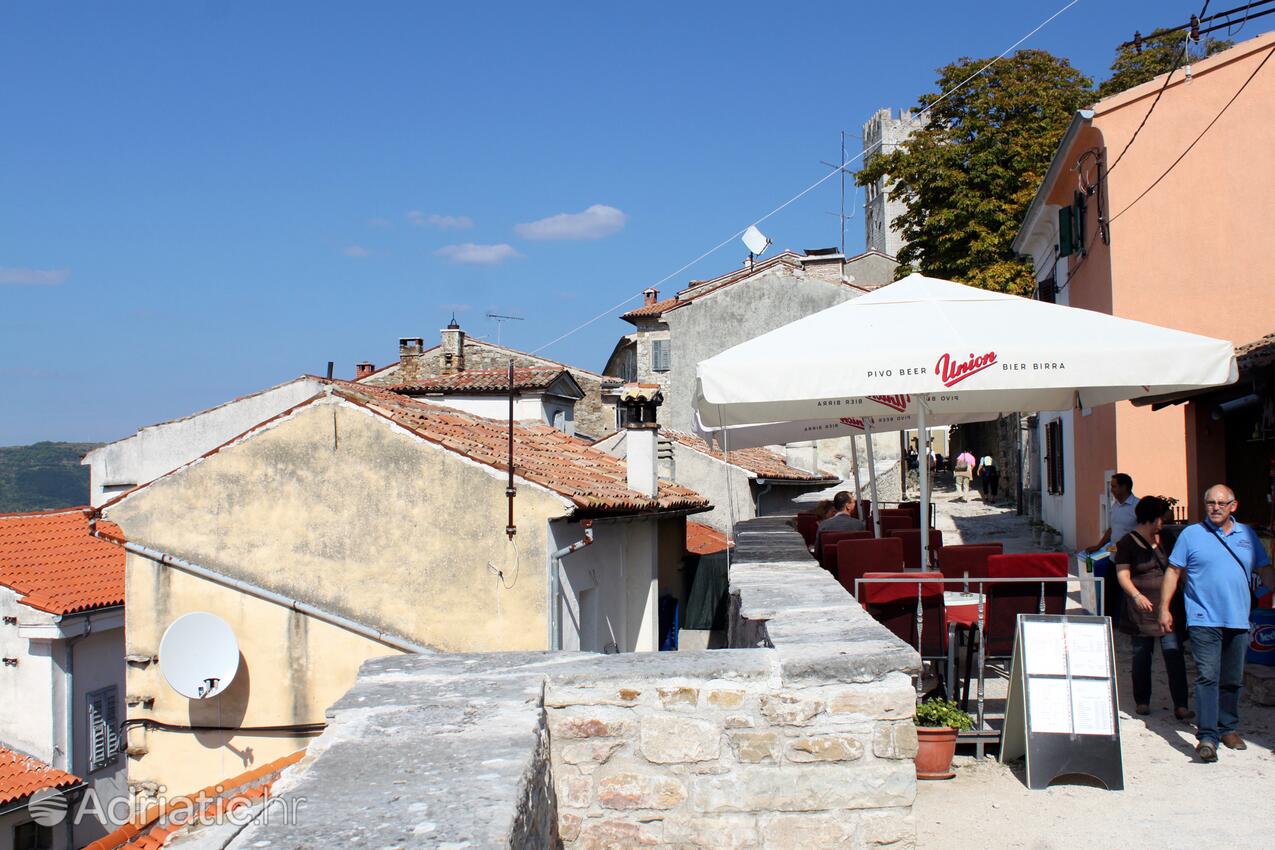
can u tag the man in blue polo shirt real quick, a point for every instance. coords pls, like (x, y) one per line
(1217, 557)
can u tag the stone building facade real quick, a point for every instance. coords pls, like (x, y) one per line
(458, 352)
(882, 134)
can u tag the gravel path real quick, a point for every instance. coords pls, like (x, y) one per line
(1170, 800)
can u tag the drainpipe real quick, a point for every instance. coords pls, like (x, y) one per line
(69, 674)
(555, 581)
(258, 592)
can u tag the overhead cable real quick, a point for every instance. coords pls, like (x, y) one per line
(914, 119)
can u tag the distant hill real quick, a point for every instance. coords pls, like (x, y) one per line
(43, 475)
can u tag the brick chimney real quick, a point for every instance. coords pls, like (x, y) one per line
(453, 348)
(362, 370)
(411, 357)
(650, 296)
(824, 263)
(641, 436)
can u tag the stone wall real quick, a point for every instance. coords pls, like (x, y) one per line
(800, 735)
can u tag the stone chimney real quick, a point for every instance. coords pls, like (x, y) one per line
(824, 263)
(650, 296)
(641, 437)
(362, 370)
(453, 349)
(411, 358)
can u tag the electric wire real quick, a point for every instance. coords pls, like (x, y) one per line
(865, 152)
(1167, 77)
(1208, 127)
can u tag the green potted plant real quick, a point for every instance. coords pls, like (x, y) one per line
(937, 722)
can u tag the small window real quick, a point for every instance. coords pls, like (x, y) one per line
(32, 836)
(1054, 457)
(660, 357)
(104, 737)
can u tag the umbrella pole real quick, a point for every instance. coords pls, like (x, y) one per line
(872, 481)
(854, 470)
(924, 469)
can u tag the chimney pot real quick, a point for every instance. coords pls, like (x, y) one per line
(650, 296)
(640, 402)
(362, 370)
(453, 348)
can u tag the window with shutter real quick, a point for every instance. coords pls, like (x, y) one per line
(1065, 244)
(103, 728)
(660, 355)
(32, 836)
(1054, 457)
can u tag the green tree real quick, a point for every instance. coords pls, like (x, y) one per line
(968, 173)
(1161, 53)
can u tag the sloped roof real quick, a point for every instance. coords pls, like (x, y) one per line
(485, 381)
(469, 340)
(592, 480)
(761, 462)
(705, 540)
(53, 563)
(1256, 354)
(23, 775)
(154, 827)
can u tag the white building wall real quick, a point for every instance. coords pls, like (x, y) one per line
(609, 588)
(26, 690)
(159, 449)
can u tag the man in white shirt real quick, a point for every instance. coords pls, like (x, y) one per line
(1120, 517)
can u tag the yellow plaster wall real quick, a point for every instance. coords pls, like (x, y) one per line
(342, 510)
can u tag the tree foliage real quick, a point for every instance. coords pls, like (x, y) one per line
(1161, 53)
(968, 173)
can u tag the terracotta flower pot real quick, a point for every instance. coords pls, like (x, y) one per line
(935, 747)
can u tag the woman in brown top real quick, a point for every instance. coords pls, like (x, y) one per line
(1140, 566)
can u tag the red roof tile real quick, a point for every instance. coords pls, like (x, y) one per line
(704, 540)
(483, 381)
(151, 829)
(22, 775)
(761, 462)
(594, 481)
(703, 287)
(53, 563)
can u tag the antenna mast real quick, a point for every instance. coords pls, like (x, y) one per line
(500, 319)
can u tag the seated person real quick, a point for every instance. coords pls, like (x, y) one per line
(842, 519)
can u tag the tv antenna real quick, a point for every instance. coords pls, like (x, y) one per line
(755, 241)
(499, 320)
(841, 166)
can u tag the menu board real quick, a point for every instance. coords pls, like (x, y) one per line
(1062, 712)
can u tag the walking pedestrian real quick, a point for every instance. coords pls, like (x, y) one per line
(1217, 558)
(963, 470)
(1140, 568)
(989, 477)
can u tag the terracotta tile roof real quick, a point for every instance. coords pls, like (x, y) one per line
(23, 775)
(594, 481)
(483, 381)
(1255, 354)
(705, 540)
(52, 562)
(700, 288)
(153, 828)
(471, 341)
(761, 462)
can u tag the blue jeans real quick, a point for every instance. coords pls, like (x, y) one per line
(1219, 663)
(1174, 666)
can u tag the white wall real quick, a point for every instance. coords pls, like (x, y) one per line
(526, 408)
(1059, 510)
(158, 449)
(26, 691)
(616, 577)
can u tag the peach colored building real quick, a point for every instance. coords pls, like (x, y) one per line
(1171, 228)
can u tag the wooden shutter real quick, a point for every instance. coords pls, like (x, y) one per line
(1066, 245)
(1054, 457)
(103, 728)
(660, 356)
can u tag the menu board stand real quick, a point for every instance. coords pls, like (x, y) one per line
(1062, 712)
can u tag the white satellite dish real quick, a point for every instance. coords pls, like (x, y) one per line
(199, 655)
(755, 241)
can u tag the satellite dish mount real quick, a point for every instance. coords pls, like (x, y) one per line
(199, 655)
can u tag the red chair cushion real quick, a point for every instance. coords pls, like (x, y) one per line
(828, 542)
(967, 559)
(890, 523)
(855, 558)
(901, 591)
(911, 538)
(1031, 565)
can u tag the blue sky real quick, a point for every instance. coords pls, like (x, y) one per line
(201, 199)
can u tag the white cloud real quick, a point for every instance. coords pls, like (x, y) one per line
(15, 276)
(442, 222)
(596, 222)
(355, 251)
(478, 255)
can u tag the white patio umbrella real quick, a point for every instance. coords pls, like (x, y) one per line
(925, 347)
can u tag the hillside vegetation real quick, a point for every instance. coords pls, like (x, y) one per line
(43, 475)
